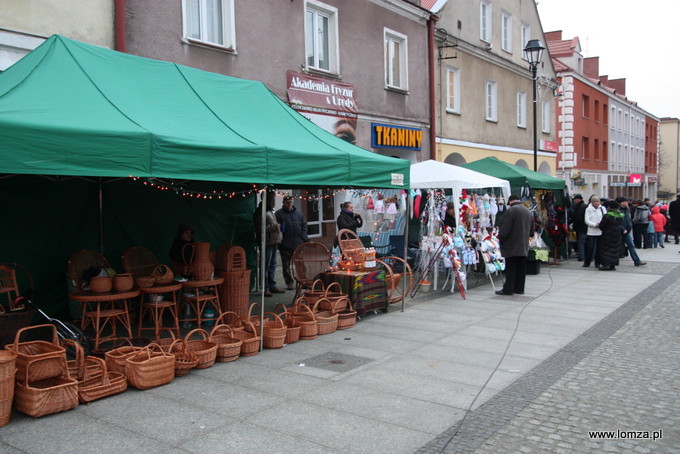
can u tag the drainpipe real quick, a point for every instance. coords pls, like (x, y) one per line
(430, 63)
(119, 20)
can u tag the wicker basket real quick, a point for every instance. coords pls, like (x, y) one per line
(78, 368)
(231, 319)
(150, 367)
(228, 347)
(293, 331)
(347, 317)
(123, 282)
(230, 258)
(313, 294)
(165, 342)
(305, 319)
(101, 284)
(205, 349)
(251, 341)
(326, 317)
(115, 359)
(162, 274)
(338, 298)
(145, 281)
(53, 354)
(102, 385)
(254, 318)
(7, 372)
(42, 397)
(184, 359)
(274, 333)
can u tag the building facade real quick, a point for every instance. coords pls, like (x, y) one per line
(485, 93)
(25, 24)
(608, 145)
(669, 159)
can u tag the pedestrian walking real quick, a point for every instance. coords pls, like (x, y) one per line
(516, 227)
(294, 229)
(659, 223)
(640, 225)
(627, 231)
(609, 245)
(594, 214)
(674, 213)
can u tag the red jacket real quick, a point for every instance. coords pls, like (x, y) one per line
(658, 219)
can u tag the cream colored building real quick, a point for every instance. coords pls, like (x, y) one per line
(669, 159)
(25, 24)
(484, 103)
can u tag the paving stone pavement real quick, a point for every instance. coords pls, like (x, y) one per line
(621, 375)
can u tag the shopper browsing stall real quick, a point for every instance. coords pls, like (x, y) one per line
(294, 229)
(516, 227)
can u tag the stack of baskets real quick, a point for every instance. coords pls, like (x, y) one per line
(293, 331)
(43, 385)
(7, 371)
(230, 264)
(274, 333)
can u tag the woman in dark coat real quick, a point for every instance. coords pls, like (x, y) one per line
(609, 246)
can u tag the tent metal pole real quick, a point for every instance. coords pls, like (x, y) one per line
(263, 257)
(408, 218)
(101, 215)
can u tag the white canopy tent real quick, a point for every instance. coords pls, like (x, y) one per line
(434, 174)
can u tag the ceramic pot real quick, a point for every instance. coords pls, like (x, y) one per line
(201, 266)
(123, 282)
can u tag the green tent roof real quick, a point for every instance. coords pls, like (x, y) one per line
(70, 108)
(517, 176)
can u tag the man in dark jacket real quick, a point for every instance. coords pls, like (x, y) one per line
(294, 229)
(609, 246)
(640, 224)
(578, 222)
(627, 231)
(674, 213)
(516, 226)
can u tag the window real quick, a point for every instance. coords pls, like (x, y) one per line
(319, 212)
(620, 122)
(585, 106)
(545, 116)
(491, 105)
(210, 22)
(321, 37)
(585, 151)
(521, 109)
(626, 126)
(596, 109)
(604, 151)
(396, 62)
(485, 21)
(596, 149)
(605, 111)
(506, 32)
(613, 118)
(525, 32)
(452, 90)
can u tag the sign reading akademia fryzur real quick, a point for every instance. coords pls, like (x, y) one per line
(390, 136)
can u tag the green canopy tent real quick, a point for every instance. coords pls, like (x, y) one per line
(70, 109)
(518, 177)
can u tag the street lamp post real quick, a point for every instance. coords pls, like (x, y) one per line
(534, 51)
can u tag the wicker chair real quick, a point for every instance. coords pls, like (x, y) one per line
(138, 261)
(309, 259)
(82, 260)
(9, 287)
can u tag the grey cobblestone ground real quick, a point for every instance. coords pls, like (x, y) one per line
(622, 374)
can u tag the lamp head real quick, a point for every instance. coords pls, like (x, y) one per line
(534, 51)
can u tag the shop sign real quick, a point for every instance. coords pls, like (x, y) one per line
(618, 183)
(635, 178)
(327, 103)
(549, 145)
(397, 179)
(579, 182)
(388, 136)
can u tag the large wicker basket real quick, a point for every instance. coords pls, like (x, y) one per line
(228, 347)
(315, 292)
(150, 367)
(52, 353)
(305, 319)
(234, 291)
(251, 341)
(326, 317)
(42, 397)
(102, 385)
(205, 349)
(274, 333)
(115, 358)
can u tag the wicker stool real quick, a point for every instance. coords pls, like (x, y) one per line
(200, 294)
(156, 309)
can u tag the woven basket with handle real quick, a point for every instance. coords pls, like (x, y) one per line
(305, 318)
(251, 341)
(326, 317)
(102, 385)
(52, 353)
(205, 349)
(228, 347)
(43, 397)
(150, 367)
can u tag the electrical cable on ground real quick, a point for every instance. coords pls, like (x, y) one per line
(507, 347)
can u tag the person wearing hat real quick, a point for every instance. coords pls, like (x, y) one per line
(627, 231)
(609, 245)
(516, 227)
(674, 213)
(294, 229)
(578, 224)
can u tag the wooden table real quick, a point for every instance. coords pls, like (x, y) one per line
(203, 293)
(105, 308)
(366, 289)
(157, 308)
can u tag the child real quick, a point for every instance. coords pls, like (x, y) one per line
(659, 221)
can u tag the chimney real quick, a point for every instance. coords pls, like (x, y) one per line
(619, 85)
(591, 67)
(553, 36)
(604, 80)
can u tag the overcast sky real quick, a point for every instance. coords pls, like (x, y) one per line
(636, 40)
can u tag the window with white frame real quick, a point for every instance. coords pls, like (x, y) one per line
(485, 21)
(452, 90)
(319, 211)
(612, 120)
(545, 116)
(525, 32)
(321, 37)
(506, 32)
(396, 63)
(521, 109)
(210, 22)
(491, 107)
